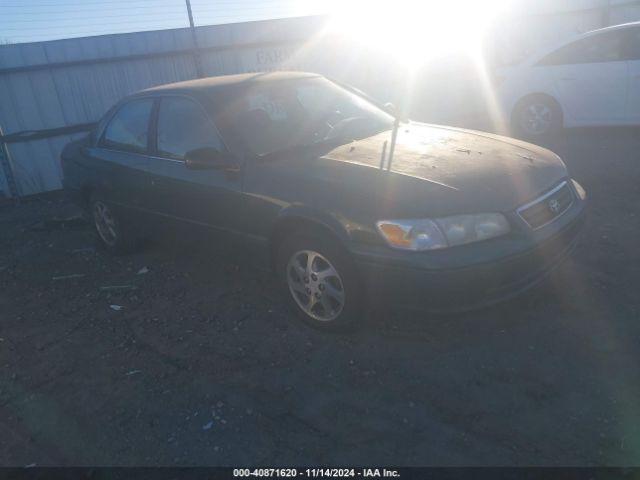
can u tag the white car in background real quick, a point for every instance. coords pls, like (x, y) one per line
(591, 80)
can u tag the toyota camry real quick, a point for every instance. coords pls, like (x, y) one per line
(345, 200)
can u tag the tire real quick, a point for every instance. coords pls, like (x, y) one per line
(537, 116)
(331, 287)
(115, 233)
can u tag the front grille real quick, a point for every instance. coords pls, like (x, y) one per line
(548, 207)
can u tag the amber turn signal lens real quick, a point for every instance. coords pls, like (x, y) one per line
(395, 234)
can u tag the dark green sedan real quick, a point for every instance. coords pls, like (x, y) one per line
(311, 173)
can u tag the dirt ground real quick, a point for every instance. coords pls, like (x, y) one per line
(204, 365)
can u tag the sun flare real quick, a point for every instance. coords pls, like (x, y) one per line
(414, 31)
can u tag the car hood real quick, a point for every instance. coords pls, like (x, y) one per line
(441, 170)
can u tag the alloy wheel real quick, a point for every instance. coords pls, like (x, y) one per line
(315, 285)
(105, 223)
(536, 119)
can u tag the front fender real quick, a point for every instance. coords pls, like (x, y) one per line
(296, 213)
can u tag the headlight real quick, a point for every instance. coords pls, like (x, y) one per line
(461, 229)
(420, 235)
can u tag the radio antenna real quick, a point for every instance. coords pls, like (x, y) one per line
(394, 136)
(383, 154)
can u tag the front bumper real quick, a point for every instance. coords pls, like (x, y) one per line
(470, 278)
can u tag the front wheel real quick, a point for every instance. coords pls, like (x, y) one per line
(320, 282)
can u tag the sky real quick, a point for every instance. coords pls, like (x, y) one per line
(39, 20)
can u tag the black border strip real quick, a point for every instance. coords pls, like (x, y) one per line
(404, 473)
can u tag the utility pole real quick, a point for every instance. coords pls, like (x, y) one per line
(196, 48)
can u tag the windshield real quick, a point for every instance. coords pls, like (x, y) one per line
(272, 116)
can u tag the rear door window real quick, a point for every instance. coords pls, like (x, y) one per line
(183, 125)
(600, 48)
(128, 130)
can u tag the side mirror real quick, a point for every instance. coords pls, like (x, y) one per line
(207, 158)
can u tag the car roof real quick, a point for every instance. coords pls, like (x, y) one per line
(532, 59)
(615, 27)
(216, 84)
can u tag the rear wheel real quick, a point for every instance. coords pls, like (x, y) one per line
(320, 282)
(537, 116)
(114, 231)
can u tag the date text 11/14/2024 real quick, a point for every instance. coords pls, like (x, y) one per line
(316, 472)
